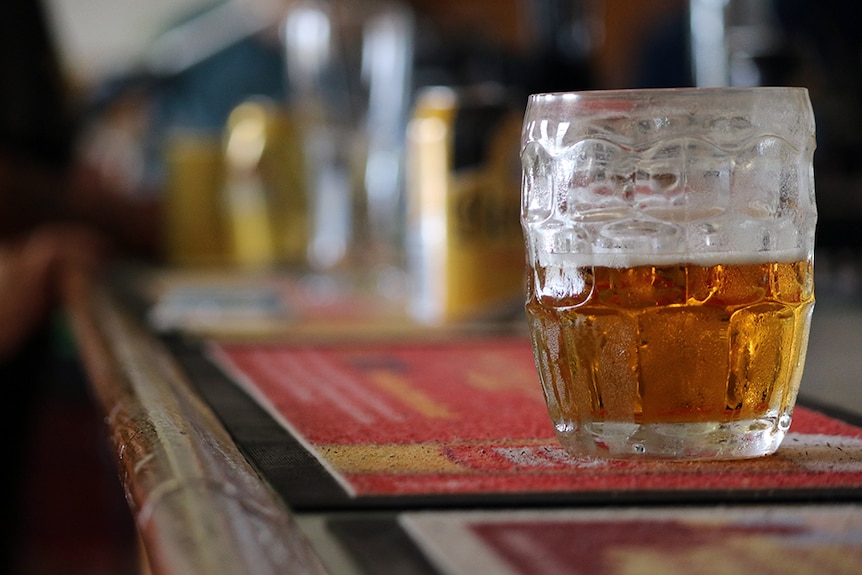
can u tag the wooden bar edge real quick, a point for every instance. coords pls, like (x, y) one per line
(198, 505)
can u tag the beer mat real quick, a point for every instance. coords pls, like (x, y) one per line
(464, 421)
(279, 306)
(258, 306)
(799, 539)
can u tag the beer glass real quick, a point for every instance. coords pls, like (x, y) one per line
(670, 242)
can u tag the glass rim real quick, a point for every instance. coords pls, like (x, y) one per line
(763, 104)
(683, 91)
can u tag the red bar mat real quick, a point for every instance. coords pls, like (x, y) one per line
(715, 540)
(467, 418)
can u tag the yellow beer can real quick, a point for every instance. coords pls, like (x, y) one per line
(464, 244)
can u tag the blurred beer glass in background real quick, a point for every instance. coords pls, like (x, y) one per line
(670, 238)
(194, 214)
(349, 77)
(264, 188)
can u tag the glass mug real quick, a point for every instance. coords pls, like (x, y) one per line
(670, 244)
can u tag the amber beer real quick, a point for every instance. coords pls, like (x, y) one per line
(672, 344)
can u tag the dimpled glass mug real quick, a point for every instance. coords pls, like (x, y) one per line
(670, 244)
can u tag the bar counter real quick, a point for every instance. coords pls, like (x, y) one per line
(202, 506)
(198, 505)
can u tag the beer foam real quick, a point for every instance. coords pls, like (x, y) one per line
(626, 260)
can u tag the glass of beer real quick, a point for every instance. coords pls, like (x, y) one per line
(670, 244)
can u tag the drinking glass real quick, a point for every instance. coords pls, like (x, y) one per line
(670, 243)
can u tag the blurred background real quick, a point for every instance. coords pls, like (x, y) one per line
(335, 85)
(377, 139)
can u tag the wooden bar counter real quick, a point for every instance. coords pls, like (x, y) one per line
(198, 505)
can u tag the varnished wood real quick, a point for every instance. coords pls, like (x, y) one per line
(198, 505)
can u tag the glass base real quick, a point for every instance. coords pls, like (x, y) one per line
(690, 441)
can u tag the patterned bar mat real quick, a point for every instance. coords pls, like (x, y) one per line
(799, 539)
(464, 422)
